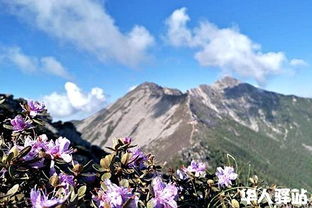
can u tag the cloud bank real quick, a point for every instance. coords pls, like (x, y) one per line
(225, 48)
(26, 63)
(86, 25)
(74, 102)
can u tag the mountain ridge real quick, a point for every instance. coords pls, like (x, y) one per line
(252, 124)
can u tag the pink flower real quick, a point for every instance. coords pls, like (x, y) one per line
(127, 140)
(19, 123)
(196, 167)
(66, 179)
(60, 149)
(35, 108)
(138, 159)
(40, 200)
(37, 145)
(164, 194)
(115, 196)
(226, 176)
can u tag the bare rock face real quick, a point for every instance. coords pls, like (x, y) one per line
(148, 113)
(259, 127)
(225, 82)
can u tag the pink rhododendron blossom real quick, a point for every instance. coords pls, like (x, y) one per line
(115, 196)
(65, 179)
(19, 123)
(35, 108)
(226, 176)
(60, 149)
(165, 195)
(137, 160)
(198, 168)
(40, 200)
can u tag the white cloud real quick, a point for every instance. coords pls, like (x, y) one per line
(51, 65)
(298, 62)
(22, 61)
(224, 48)
(58, 105)
(28, 63)
(86, 24)
(74, 102)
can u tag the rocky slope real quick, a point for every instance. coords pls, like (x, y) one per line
(267, 129)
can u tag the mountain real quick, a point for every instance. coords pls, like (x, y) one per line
(270, 131)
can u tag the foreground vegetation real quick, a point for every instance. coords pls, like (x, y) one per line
(39, 170)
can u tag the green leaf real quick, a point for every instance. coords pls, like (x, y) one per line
(8, 126)
(124, 183)
(23, 152)
(20, 197)
(38, 122)
(106, 161)
(81, 191)
(150, 204)
(13, 190)
(234, 203)
(103, 186)
(11, 171)
(97, 167)
(87, 174)
(10, 157)
(125, 158)
(106, 176)
(73, 196)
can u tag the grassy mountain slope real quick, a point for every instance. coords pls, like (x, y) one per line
(271, 131)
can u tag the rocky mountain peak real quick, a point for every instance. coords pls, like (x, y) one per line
(150, 85)
(226, 82)
(159, 90)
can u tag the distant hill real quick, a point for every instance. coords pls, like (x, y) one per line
(271, 131)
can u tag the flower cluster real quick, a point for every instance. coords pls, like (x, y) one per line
(42, 148)
(197, 168)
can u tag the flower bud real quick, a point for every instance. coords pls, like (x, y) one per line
(14, 150)
(77, 168)
(42, 154)
(54, 180)
(210, 182)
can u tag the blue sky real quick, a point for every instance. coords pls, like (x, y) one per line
(79, 55)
